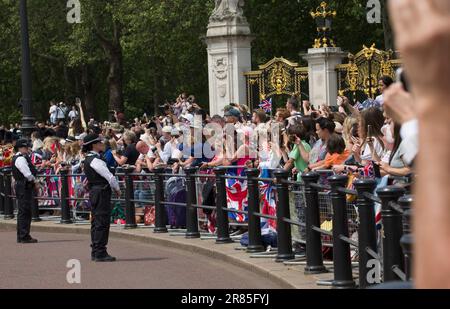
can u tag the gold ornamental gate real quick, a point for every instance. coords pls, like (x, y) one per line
(277, 77)
(358, 79)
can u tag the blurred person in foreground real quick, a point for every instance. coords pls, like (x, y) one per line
(422, 31)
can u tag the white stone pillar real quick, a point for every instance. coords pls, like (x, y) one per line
(229, 57)
(323, 79)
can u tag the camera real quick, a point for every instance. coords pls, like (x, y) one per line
(355, 131)
(165, 107)
(173, 161)
(401, 78)
(292, 138)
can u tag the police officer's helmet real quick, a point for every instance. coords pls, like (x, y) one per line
(22, 143)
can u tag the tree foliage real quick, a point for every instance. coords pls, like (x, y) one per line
(134, 55)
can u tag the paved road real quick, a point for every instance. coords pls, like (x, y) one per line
(139, 265)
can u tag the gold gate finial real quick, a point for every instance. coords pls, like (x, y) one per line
(324, 19)
(361, 74)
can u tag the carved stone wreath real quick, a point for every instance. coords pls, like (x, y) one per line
(220, 68)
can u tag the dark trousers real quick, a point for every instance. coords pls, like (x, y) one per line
(24, 195)
(100, 198)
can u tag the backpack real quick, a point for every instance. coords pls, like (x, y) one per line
(118, 214)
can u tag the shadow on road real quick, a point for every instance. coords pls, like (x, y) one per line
(142, 259)
(57, 241)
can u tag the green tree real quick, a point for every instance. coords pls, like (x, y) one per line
(134, 55)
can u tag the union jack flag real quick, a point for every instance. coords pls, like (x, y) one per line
(266, 105)
(268, 205)
(237, 197)
(36, 158)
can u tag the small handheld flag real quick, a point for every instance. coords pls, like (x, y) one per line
(266, 105)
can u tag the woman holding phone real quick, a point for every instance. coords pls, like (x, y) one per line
(369, 146)
(396, 166)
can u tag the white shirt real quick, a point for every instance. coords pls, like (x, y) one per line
(73, 114)
(166, 154)
(37, 144)
(100, 167)
(366, 154)
(53, 111)
(387, 132)
(410, 135)
(22, 166)
(380, 99)
(60, 112)
(272, 162)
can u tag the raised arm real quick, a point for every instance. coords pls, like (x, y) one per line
(83, 120)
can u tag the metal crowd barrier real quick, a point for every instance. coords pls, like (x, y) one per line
(395, 257)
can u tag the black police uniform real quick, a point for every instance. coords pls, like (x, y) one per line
(100, 197)
(24, 192)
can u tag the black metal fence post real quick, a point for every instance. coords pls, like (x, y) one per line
(160, 210)
(9, 206)
(65, 207)
(366, 232)
(223, 235)
(191, 199)
(314, 257)
(407, 243)
(405, 203)
(407, 239)
(255, 243)
(284, 237)
(35, 209)
(342, 262)
(130, 210)
(2, 193)
(392, 232)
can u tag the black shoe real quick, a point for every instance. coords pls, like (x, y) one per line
(27, 241)
(299, 249)
(106, 258)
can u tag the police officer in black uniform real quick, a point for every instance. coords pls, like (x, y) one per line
(101, 183)
(24, 174)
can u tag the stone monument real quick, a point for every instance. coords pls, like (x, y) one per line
(229, 54)
(323, 77)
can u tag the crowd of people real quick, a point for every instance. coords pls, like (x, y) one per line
(298, 138)
(351, 138)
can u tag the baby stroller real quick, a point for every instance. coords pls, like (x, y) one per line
(176, 193)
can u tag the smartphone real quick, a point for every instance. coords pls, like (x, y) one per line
(369, 131)
(355, 130)
(401, 78)
(173, 161)
(376, 169)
